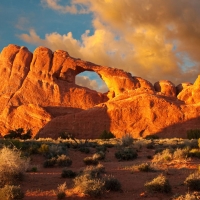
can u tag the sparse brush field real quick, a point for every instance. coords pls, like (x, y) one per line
(117, 169)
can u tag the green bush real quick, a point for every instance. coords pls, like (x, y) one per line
(90, 161)
(193, 181)
(193, 134)
(111, 183)
(126, 154)
(64, 161)
(106, 135)
(12, 166)
(11, 192)
(158, 184)
(67, 173)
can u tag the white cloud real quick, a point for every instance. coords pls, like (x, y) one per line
(147, 38)
(73, 8)
(92, 84)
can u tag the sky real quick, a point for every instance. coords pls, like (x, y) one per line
(152, 39)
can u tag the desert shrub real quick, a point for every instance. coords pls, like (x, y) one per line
(61, 191)
(163, 157)
(90, 161)
(180, 154)
(11, 192)
(18, 133)
(44, 149)
(151, 137)
(194, 153)
(193, 181)
(87, 184)
(64, 135)
(150, 146)
(32, 147)
(158, 184)
(193, 134)
(99, 155)
(64, 161)
(12, 166)
(102, 148)
(145, 167)
(127, 140)
(106, 135)
(188, 196)
(126, 154)
(111, 183)
(56, 150)
(84, 149)
(94, 171)
(49, 162)
(67, 173)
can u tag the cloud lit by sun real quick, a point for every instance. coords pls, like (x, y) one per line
(152, 39)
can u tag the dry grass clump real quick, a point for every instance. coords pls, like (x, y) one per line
(12, 166)
(169, 155)
(158, 184)
(90, 181)
(11, 192)
(188, 196)
(61, 191)
(193, 181)
(127, 140)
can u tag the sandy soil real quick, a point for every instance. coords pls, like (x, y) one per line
(41, 185)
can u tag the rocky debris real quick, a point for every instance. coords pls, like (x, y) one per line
(38, 92)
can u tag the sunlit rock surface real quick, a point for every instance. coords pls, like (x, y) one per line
(38, 92)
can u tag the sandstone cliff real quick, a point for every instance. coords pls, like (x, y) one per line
(38, 91)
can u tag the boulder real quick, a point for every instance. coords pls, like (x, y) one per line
(191, 93)
(165, 87)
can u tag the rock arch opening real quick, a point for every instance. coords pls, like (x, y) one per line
(91, 80)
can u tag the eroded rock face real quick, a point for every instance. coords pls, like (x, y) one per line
(182, 86)
(38, 92)
(191, 93)
(166, 88)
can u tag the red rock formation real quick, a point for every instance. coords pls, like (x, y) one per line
(38, 91)
(182, 86)
(191, 93)
(166, 88)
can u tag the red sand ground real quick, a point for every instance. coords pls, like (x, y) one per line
(42, 185)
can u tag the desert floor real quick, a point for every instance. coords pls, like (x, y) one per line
(41, 185)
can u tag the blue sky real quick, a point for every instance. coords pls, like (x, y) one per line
(155, 40)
